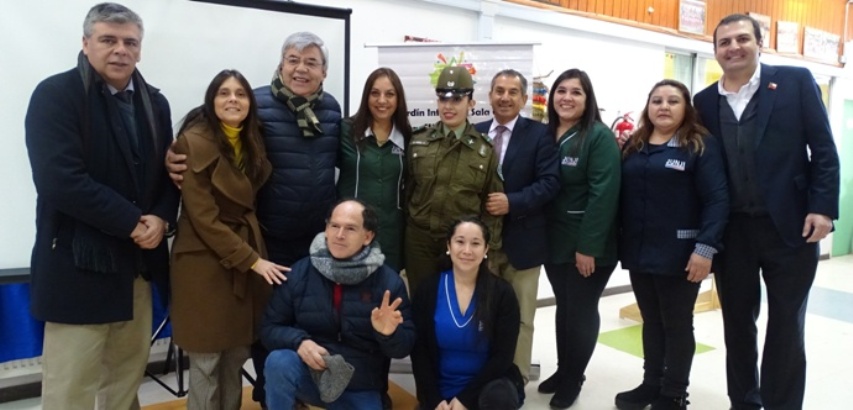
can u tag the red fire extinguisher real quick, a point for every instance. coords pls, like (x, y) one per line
(622, 125)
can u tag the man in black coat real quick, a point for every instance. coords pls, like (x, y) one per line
(783, 174)
(96, 136)
(528, 165)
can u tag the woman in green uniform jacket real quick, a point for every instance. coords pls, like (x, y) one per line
(371, 158)
(582, 228)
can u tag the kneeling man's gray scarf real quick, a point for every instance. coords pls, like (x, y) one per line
(345, 271)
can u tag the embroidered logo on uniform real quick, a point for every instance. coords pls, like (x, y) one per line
(676, 164)
(570, 161)
(396, 150)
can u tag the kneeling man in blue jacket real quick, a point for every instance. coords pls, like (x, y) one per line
(336, 303)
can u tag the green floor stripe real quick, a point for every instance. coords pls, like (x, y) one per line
(630, 340)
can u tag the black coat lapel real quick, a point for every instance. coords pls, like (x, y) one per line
(766, 98)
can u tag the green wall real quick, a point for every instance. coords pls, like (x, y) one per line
(842, 239)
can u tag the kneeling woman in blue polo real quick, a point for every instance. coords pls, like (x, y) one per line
(674, 207)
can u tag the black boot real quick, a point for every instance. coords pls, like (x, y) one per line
(670, 403)
(566, 394)
(638, 398)
(549, 385)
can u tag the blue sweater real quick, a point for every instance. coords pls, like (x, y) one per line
(462, 349)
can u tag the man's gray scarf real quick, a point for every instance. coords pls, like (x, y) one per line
(345, 271)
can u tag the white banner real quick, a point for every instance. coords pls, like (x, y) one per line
(419, 65)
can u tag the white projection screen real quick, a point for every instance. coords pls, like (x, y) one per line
(185, 44)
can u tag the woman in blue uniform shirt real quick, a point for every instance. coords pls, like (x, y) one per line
(674, 206)
(467, 320)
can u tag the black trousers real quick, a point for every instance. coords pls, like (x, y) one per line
(666, 304)
(577, 319)
(754, 249)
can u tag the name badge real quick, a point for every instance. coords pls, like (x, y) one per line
(676, 164)
(569, 161)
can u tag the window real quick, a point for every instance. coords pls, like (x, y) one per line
(679, 66)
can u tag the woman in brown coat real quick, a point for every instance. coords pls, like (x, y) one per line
(220, 279)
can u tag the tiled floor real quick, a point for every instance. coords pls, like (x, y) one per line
(829, 329)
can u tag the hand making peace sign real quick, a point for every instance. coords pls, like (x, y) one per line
(386, 317)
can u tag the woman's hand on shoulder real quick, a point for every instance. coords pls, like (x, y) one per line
(622, 137)
(176, 164)
(271, 272)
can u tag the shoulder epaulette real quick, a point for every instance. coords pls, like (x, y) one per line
(423, 128)
(486, 138)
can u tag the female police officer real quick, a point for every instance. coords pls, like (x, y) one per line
(452, 169)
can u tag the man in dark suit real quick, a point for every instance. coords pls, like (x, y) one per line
(783, 167)
(528, 165)
(96, 136)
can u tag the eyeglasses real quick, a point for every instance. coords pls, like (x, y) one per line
(310, 63)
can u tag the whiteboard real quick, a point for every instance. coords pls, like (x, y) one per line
(185, 44)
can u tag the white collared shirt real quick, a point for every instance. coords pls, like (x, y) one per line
(114, 90)
(738, 100)
(396, 137)
(505, 143)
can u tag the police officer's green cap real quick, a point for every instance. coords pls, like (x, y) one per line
(454, 81)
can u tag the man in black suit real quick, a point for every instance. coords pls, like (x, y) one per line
(782, 165)
(528, 165)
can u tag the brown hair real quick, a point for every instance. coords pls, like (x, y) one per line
(689, 134)
(734, 18)
(254, 153)
(591, 114)
(362, 120)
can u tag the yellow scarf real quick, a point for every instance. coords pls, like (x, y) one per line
(233, 135)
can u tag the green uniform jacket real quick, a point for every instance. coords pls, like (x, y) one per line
(449, 178)
(376, 176)
(582, 217)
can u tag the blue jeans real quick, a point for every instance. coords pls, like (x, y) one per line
(288, 378)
